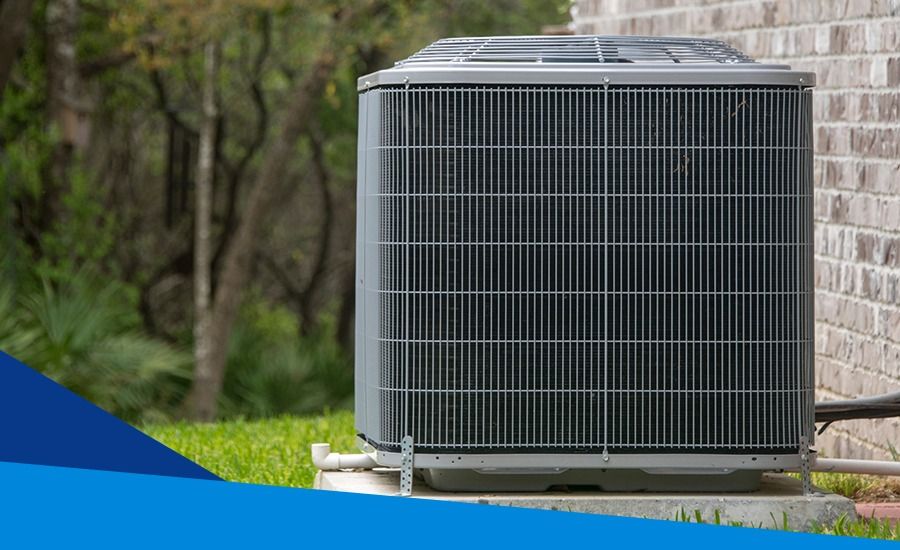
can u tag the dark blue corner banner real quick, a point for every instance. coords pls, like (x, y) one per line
(42, 422)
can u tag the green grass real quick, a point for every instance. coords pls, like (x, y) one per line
(858, 487)
(865, 528)
(862, 528)
(272, 452)
(848, 485)
(276, 452)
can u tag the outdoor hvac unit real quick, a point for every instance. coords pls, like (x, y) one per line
(585, 260)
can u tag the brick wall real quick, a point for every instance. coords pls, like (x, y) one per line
(854, 47)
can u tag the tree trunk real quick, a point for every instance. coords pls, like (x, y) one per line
(203, 343)
(308, 310)
(13, 26)
(202, 399)
(66, 106)
(65, 100)
(347, 313)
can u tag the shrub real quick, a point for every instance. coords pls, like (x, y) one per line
(83, 334)
(273, 371)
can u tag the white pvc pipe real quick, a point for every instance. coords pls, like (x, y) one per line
(324, 459)
(852, 466)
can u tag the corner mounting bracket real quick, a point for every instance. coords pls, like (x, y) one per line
(407, 459)
(805, 470)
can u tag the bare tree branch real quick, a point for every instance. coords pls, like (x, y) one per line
(307, 303)
(236, 173)
(96, 66)
(14, 16)
(303, 298)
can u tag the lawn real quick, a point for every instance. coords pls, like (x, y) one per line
(276, 452)
(272, 452)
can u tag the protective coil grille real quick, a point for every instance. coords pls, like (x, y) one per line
(571, 269)
(578, 49)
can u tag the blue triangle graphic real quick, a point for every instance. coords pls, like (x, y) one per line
(43, 423)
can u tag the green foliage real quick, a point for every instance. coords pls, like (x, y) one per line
(83, 235)
(861, 527)
(25, 142)
(23, 100)
(697, 517)
(478, 18)
(272, 452)
(23, 160)
(864, 528)
(857, 486)
(848, 485)
(82, 333)
(272, 371)
(895, 456)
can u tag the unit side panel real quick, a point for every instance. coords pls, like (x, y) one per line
(359, 355)
(369, 310)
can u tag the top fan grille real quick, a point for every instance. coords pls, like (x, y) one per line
(578, 49)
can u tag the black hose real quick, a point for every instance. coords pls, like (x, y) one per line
(879, 406)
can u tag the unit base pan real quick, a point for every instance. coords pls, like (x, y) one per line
(590, 479)
(674, 463)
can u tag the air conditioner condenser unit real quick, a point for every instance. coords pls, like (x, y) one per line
(585, 260)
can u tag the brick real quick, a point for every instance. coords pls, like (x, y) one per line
(886, 251)
(857, 245)
(836, 242)
(881, 178)
(888, 511)
(852, 349)
(858, 140)
(822, 42)
(878, 432)
(849, 381)
(868, 439)
(878, 249)
(875, 142)
(893, 71)
(891, 364)
(845, 312)
(837, 378)
(891, 288)
(856, 106)
(859, 280)
(842, 73)
(858, 175)
(890, 324)
(832, 140)
(878, 212)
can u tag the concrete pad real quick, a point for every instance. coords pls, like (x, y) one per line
(778, 495)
